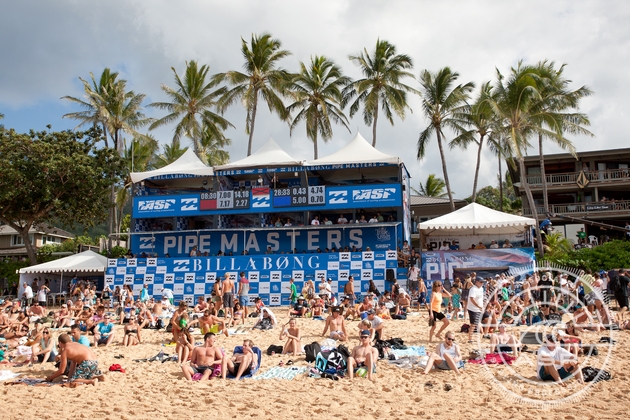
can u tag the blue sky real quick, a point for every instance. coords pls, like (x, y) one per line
(48, 45)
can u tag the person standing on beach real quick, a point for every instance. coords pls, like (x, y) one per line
(293, 289)
(348, 290)
(435, 310)
(83, 364)
(243, 293)
(228, 295)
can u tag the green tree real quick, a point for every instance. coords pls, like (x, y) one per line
(262, 78)
(442, 105)
(170, 153)
(491, 197)
(191, 105)
(54, 177)
(556, 100)
(214, 148)
(316, 91)
(557, 245)
(432, 187)
(381, 85)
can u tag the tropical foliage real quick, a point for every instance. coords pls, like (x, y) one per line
(432, 187)
(613, 254)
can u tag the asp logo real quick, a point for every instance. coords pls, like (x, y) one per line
(338, 197)
(145, 205)
(190, 204)
(372, 193)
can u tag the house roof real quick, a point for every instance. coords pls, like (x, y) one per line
(187, 164)
(43, 229)
(421, 200)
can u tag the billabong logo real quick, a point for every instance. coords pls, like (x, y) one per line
(338, 197)
(372, 193)
(181, 265)
(146, 242)
(145, 205)
(190, 204)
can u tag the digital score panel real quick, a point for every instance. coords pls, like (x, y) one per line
(316, 195)
(224, 200)
(290, 197)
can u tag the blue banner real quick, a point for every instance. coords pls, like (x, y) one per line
(265, 199)
(377, 236)
(269, 275)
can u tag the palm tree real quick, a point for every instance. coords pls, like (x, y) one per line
(557, 245)
(441, 104)
(317, 94)
(214, 148)
(123, 113)
(190, 106)
(479, 118)
(261, 78)
(95, 103)
(556, 98)
(525, 113)
(381, 85)
(432, 187)
(170, 153)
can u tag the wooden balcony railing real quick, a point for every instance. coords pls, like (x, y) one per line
(594, 177)
(583, 208)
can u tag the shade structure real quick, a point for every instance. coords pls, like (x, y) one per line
(270, 154)
(87, 261)
(187, 164)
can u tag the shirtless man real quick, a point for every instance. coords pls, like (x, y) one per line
(207, 322)
(36, 311)
(206, 360)
(241, 363)
(363, 355)
(83, 364)
(365, 306)
(503, 341)
(228, 296)
(336, 324)
(201, 305)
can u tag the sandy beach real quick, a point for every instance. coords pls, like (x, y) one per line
(158, 390)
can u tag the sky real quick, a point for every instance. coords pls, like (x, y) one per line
(46, 46)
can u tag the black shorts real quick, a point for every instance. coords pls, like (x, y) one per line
(102, 341)
(475, 317)
(438, 315)
(228, 300)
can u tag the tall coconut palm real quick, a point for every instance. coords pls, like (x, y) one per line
(96, 100)
(316, 91)
(191, 104)
(518, 102)
(123, 113)
(214, 148)
(261, 78)
(441, 104)
(478, 118)
(381, 85)
(432, 187)
(558, 99)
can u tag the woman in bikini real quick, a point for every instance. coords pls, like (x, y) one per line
(571, 340)
(238, 316)
(132, 333)
(185, 344)
(435, 307)
(464, 295)
(291, 333)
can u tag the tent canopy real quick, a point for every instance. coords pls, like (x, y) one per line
(357, 151)
(88, 261)
(187, 164)
(270, 154)
(475, 219)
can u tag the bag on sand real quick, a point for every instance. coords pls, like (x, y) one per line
(595, 375)
(311, 351)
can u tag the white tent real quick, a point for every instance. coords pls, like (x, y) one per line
(475, 219)
(357, 151)
(187, 164)
(85, 262)
(270, 154)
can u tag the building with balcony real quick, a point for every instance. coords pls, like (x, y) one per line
(594, 186)
(12, 244)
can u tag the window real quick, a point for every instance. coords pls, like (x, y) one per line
(16, 240)
(50, 240)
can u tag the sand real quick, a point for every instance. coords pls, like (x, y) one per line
(158, 390)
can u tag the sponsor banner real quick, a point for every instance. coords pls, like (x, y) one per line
(267, 199)
(269, 275)
(439, 265)
(378, 237)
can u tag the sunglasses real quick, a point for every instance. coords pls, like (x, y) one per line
(450, 339)
(364, 336)
(45, 332)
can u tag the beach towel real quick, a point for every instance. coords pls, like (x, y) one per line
(7, 374)
(277, 372)
(239, 349)
(494, 359)
(410, 351)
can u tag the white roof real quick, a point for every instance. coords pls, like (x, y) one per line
(270, 154)
(187, 164)
(357, 151)
(475, 219)
(87, 261)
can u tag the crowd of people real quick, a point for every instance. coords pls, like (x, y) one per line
(490, 307)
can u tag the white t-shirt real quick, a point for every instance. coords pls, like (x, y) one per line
(445, 248)
(376, 321)
(342, 221)
(28, 292)
(475, 294)
(315, 222)
(559, 356)
(413, 273)
(41, 295)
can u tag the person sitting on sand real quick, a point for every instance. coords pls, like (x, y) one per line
(378, 325)
(104, 332)
(502, 342)
(447, 356)
(336, 325)
(382, 311)
(241, 363)
(556, 364)
(206, 360)
(363, 355)
(210, 324)
(293, 337)
(185, 344)
(176, 319)
(132, 332)
(201, 305)
(75, 334)
(365, 306)
(47, 349)
(266, 320)
(83, 364)
(299, 308)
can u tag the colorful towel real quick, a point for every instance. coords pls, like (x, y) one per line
(494, 359)
(278, 372)
(410, 351)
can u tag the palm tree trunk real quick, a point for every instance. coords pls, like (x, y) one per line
(444, 171)
(374, 125)
(105, 134)
(315, 151)
(251, 124)
(112, 216)
(500, 185)
(532, 205)
(474, 193)
(543, 177)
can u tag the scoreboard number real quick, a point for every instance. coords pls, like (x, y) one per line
(316, 195)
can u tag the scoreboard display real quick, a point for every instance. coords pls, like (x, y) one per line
(299, 196)
(224, 200)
